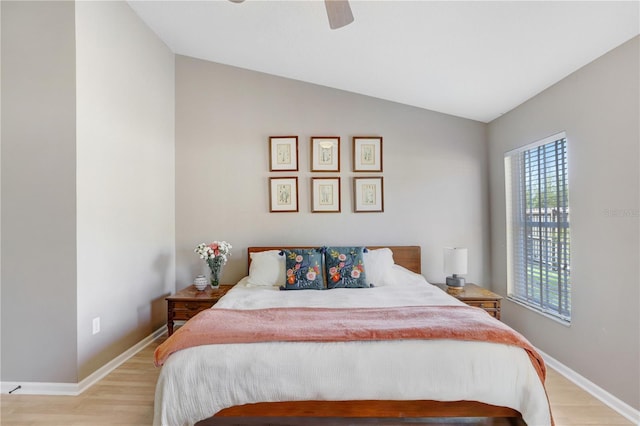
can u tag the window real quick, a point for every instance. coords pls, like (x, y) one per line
(538, 245)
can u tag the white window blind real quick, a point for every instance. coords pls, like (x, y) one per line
(538, 244)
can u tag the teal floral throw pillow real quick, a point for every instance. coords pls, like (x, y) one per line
(303, 269)
(345, 267)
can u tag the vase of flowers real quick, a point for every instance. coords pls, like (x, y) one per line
(216, 255)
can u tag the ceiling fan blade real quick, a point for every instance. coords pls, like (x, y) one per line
(339, 13)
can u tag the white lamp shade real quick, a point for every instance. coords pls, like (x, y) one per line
(455, 260)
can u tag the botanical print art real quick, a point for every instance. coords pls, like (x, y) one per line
(284, 154)
(326, 194)
(367, 154)
(325, 155)
(284, 194)
(368, 194)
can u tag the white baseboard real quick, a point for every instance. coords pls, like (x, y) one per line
(73, 389)
(39, 388)
(596, 391)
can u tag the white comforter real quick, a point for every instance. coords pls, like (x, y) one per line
(196, 383)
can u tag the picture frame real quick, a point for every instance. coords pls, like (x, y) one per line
(325, 195)
(367, 154)
(368, 194)
(283, 153)
(283, 194)
(325, 153)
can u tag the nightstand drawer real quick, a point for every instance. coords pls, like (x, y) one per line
(192, 306)
(187, 310)
(183, 316)
(484, 304)
(492, 308)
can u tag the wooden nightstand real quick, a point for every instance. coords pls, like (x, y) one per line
(189, 301)
(474, 295)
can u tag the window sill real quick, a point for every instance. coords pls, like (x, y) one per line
(539, 312)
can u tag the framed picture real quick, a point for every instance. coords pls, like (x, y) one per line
(325, 195)
(284, 153)
(368, 194)
(283, 193)
(325, 154)
(367, 154)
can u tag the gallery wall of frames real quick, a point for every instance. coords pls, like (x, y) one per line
(326, 182)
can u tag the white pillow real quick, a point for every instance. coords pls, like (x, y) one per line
(378, 266)
(401, 276)
(266, 269)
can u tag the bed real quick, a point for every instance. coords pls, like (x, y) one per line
(405, 377)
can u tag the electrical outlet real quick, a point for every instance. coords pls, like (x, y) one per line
(96, 325)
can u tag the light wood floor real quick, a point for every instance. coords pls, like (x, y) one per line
(125, 397)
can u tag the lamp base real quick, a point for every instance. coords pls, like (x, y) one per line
(455, 281)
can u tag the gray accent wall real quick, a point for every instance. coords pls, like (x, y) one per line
(598, 107)
(434, 169)
(38, 192)
(87, 186)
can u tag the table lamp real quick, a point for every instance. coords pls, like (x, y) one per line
(455, 263)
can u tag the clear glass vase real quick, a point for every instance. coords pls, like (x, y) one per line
(215, 266)
(216, 273)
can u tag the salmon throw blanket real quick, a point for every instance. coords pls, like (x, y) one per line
(219, 326)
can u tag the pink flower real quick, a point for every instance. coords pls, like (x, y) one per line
(355, 273)
(297, 266)
(341, 265)
(289, 272)
(215, 248)
(333, 271)
(298, 258)
(342, 257)
(311, 275)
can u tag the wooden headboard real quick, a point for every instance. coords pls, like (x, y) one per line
(406, 256)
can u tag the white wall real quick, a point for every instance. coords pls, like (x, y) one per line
(598, 107)
(435, 170)
(38, 192)
(125, 180)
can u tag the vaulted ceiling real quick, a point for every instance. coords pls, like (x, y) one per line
(476, 59)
